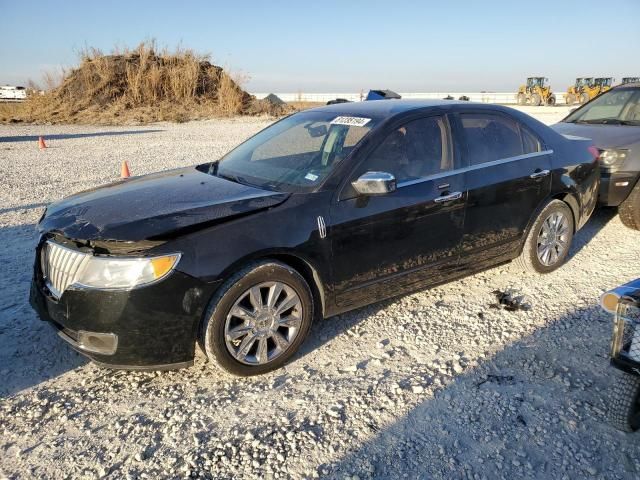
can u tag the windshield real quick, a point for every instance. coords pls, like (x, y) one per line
(615, 107)
(296, 153)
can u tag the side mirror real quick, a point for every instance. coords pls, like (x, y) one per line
(375, 183)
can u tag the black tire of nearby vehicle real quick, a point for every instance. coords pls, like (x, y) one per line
(528, 259)
(535, 99)
(584, 97)
(629, 209)
(624, 406)
(211, 335)
(551, 100)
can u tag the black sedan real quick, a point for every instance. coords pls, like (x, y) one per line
(322, 212)
(612, 121)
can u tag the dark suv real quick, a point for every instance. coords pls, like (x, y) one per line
(612, 121)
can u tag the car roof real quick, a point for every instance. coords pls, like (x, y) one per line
(391, 108)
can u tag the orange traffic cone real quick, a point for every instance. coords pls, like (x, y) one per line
(124, 170)
(41, 143)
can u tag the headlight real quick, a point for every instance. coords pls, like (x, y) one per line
(609, 302)
(105, 272)
(611, 158)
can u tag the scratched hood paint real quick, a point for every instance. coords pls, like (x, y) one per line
(154, 206)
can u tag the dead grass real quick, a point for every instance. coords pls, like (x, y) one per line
(302, 105)
(11, 111)
(138, 86)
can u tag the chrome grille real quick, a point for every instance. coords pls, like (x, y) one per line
(61, 266)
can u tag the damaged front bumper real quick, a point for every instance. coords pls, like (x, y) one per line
(151, 328)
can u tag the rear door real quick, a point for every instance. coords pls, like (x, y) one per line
(508, 177)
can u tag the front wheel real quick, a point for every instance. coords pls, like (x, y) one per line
(551, 101)
(629, 210)
(584, 98)
(624, 408)
(258, 319)
(549, 239)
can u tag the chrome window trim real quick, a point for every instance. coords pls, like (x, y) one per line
(471, 168)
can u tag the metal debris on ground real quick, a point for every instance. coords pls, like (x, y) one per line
(510, 301)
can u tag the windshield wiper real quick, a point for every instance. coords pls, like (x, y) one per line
(603, 121)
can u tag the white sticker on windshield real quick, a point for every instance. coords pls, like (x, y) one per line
(351, 121)
(311, 176)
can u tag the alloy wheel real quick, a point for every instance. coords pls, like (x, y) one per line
(553, 239)
(263, 322)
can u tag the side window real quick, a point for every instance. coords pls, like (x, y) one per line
(417, 149)
(530, 141)
(490, 137)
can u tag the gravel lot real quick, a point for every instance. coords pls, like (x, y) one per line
(432, 385)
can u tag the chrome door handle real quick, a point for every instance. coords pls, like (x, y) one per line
(448, 198)
(541, 173)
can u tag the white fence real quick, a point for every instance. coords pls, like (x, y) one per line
(485, 97)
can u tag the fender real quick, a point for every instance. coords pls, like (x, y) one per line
(295, 259)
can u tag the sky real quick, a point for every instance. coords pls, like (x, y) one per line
(340, 46)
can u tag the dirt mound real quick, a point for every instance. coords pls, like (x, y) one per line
(141, 86)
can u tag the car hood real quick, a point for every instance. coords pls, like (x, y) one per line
(154, 207)
(603, 136)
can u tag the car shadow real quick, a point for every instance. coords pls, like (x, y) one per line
(67, 136)
(30, 351)
(600, 218)
(522, 409)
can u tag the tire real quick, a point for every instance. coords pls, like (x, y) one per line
(624, 407)
(535, 99)
(570, 99)
(551, 101)
(522, 99)
(584, 97)
(241, 355)
(530, 259)
(629, 210)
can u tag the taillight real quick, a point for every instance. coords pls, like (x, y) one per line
(594, 152)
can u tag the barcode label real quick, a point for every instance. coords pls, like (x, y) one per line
(351, 121)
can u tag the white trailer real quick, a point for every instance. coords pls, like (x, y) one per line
(8, 92)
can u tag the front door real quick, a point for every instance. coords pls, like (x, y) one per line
(389, 244)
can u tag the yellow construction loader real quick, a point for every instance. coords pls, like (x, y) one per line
(587, 88)
(536, 92)
(577, 90)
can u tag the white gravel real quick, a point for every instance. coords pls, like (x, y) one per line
(433, 385)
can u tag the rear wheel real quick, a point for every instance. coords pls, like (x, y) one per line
(624, 408)
(584, 97)
(549, 239)
(258, 319)
(535, 99)
(629, 210)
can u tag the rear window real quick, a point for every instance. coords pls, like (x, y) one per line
(491, 137)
